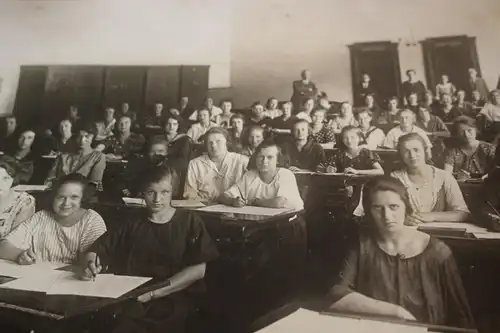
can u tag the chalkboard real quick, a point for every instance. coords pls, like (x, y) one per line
(194, 83)
(125, 84)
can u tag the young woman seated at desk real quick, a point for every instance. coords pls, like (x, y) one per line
(64, 141)
(286, 120)
(236, 133)
(433, 193)
(123, 144)
(15, 207)
(211, 174)
(168, 245)
(197, 131)
(471, 156)
(254, 137)
(302, 153)
(61, 233)
(319, 132)
(84, 161)
(306, 109)
(265, 184)
(346, 118)
(489, 205)
(398, 271)
(372, 137)
(351, 158)
(105, 127)
(24, 155)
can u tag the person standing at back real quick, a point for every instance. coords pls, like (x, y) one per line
(412, 85)
(477, 83)
(303, 88)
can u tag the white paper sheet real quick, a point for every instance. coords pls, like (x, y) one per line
(248, 210)
(41, 282)
(134, 201)
(469, 227)
(30, 188)
(487, 235)
(105, 285)
(306, 321)
(187, 204)
(12, 269)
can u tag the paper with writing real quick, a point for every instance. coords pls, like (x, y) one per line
(12, 269)
(41, 282)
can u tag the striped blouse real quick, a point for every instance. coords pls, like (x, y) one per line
(52, 242)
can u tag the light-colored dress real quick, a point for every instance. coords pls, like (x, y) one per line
(441, 193)
(197, 131)
(392, 138)
(205, 182)
(54, 243)
(20, 207)
(283, 185)
(339, 123)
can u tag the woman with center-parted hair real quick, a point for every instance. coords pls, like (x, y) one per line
(397, 271)
(211, 174)
(60, 233)
(265, 184)
(254, 137)
(24, 154)
(434, 194)
(167, 244)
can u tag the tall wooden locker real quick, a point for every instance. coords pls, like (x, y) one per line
(28, 105)
(194, 84)
(125, 84)
(163, 85)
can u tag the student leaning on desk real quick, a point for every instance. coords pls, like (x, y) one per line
(60, 233)
(168, 245)
(397, 271)
(265, 184)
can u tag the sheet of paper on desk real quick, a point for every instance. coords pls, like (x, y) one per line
(134, 201)
(486, 235)
(30, 188)
(469, 227)
(105, 285)
(248, 210)
(306, 321)
(41, 282)
(12, 269)
(187, 204)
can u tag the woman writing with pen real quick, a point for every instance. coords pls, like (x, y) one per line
(265, 184)
(60, 233)
(169, 245)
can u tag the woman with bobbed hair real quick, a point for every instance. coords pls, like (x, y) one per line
(397, 271)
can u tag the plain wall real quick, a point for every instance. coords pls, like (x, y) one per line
(113, 32)
(273, 40)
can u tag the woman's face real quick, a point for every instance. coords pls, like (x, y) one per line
(267, 159)
(300, 131)
(466, 133)
(351, 139)
(364, 120)
(461, 95)
(237, 124)
(84, 139)
(68, 199)
(204, 116)
(11, 124)
(157, 152)
(496, 98)
(413, 99)
(369, 101)
(445, 79)
(273, 103)
(424, 114)
(109, 114)
(406, 119)
(388, 211)
(429, 98)
(216, 144)
(318, 117)
(447, 100)
(258, 111)
(158, 109)
(26, 140)
(346, 110)
(158, 195)
(65, 128)
(287, 109)
(255, 138)
(209, 103)
(5, 181)
(393, 104)
(476, 96)
(309, 105)
(226, 107)
(413, 153)
(124, 125)
(172, 126)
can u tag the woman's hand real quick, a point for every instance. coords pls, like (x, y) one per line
(414, 220)
(402, 313)
(91, 266)
(331, 169)
(351, 171)
(144, 298)
(28, 257)
(238, 202)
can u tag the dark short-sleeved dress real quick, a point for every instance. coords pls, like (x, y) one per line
(325, 135)
(480, 162)
(363, 161)
(449, 116)
(311, 155)
(427, 285)
(144, 248)
(134, 144)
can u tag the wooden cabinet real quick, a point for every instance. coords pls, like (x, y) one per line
(46, 92)
(163, 85)
(194, 84)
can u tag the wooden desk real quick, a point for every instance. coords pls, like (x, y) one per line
(39, 312)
